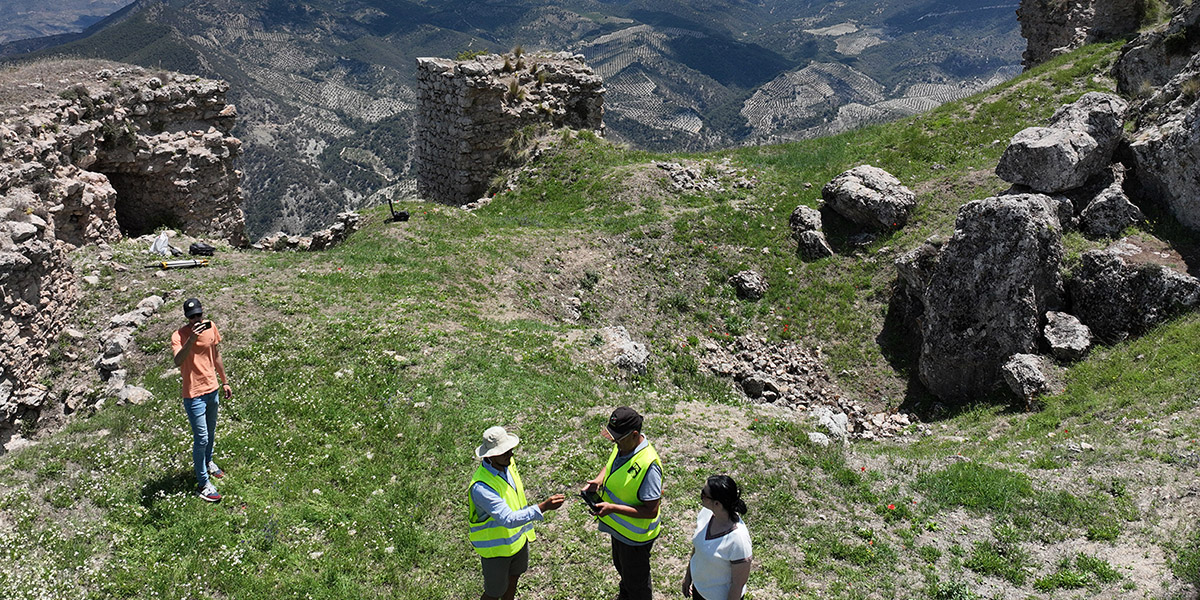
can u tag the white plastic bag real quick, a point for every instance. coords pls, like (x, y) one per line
(161, 245)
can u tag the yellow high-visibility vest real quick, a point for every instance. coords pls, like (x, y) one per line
(622, 486)
(488, 537)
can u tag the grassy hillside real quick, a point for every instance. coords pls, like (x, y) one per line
(364, 375)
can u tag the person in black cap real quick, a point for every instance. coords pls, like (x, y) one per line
(630, 489)
(201, 369)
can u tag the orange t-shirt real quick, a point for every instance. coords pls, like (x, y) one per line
(199, 369)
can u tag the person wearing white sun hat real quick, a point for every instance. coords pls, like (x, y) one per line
(500, 520)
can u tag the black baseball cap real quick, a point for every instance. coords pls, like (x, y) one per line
(191, 308)
(622, 421)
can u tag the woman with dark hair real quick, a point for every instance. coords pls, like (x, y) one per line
(720, 562)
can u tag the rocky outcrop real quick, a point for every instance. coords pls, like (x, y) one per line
(871, 197)
(1116, 300)
(90, 151)
(1054, 27)
(468, 110)
(987, 291)
(1166, 146)
(619, 349)
(1076, 144)
(706, 176)
(1155, 57)
(1072, 158)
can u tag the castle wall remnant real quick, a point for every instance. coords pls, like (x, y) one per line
(91, 151)
(467, 110)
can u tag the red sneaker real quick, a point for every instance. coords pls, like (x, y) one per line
(209, 493)
(214, 470)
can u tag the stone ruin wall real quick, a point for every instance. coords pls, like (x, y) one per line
(91, 151)
(468, 110)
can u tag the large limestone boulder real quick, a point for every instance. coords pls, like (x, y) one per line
(1116, 300)
(1048, 160)
(1077, 144)
(1166, 146)
(1100, 115)
(987, 292)
(871, 197)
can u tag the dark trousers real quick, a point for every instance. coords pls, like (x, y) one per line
(633, 566)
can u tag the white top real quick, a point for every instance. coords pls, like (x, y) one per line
(712, 561)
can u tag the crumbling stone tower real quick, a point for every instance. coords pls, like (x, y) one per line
(467, 110)
(91, 151)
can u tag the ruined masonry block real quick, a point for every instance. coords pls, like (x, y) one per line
(467, 110)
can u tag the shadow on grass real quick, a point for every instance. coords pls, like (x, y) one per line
(166, 485)
(900, 343)
(847, 237)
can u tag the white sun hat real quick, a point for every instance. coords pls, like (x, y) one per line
(496, 441)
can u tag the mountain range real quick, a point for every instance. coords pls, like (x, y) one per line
(31, 19)
(324, 88)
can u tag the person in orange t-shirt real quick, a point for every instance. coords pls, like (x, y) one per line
(199, 362)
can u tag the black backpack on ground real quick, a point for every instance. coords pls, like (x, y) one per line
(201, 249)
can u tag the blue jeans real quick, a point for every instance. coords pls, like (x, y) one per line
(202, 416)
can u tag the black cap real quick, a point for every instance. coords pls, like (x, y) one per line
(622, 421)
(191, 308)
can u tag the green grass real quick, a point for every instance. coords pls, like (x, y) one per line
(1080, 571)
(363, 376)
(1186, 561)
(1003, 559)
(950, 590)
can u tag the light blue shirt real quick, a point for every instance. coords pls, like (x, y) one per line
(649, 491)
(488, 502)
